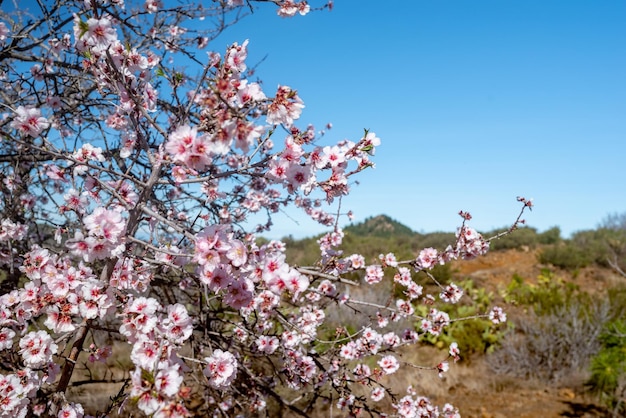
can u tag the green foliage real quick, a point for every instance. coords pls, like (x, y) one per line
(567, 256)
(550, 236)
(599, 246)
(549, 294)
(608, 368)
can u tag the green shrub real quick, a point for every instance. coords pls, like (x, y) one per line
(608, 368)
(550, 236)
(567, 256)
(550, 293)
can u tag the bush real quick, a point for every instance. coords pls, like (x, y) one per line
(551, 236)
(550, 293)
(554, 346)
(559, 334)
(608, 368)
(566, 256)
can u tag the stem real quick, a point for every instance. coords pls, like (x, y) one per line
(70, 361)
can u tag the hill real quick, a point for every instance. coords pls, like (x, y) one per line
(379, 226)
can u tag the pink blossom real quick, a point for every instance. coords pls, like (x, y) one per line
(404, 308)
(497, 315)
(289, 8)
(105, 223)
(168, 380)
(6, 338)
(442, 368)
(374, 274)
(454, 351)
(178, 324)
(97, 34)
(389, 364)
(236, 57)
(221, 369)
(28, 121)
(334, 155)
(37, 348)
(187, 148)
(71, 410)
(267, 344)
(285, 108)
(435, 322)
(237, 254)
(10, 230)
(451, 294)
(450, 411)
(377, 394)
(427, 258)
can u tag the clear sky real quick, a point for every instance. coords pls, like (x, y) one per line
(475, 102)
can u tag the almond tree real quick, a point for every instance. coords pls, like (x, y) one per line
(131, 192)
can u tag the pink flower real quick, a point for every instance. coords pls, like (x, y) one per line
(187, 148)
(377, 394)
(285, 108)
(451, 294)
(389, 364)
(442, 368)
(6, 338)
(28, 121)
(71, 410)
(426, 258)
(105, 223)
(99, 34)
(221, 369)
(178, 324)
(267, 344)
(289, 8)
(497, 315)
(168, 380)
(153, 6)
(374, 274)
(37, 348)
(450, 411)
(454, 351)
(436, 321)
(334, 155)
(299, 177)
(237, 253)
(404, 308)
(236, 57)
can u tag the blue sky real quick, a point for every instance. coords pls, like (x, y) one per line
(475, 103)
